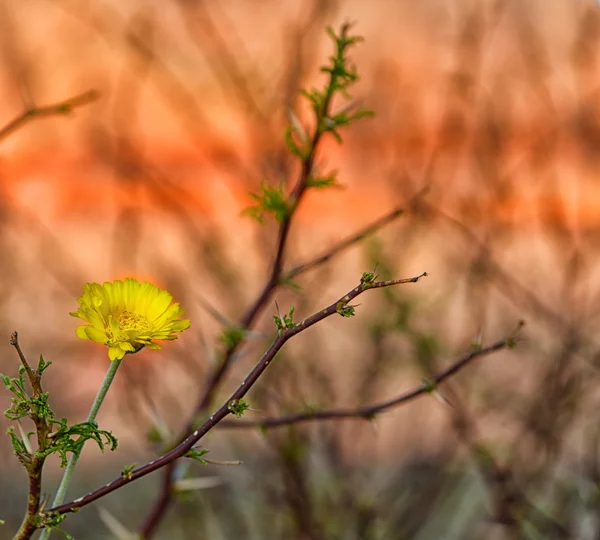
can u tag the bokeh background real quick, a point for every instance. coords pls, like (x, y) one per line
(490, 106)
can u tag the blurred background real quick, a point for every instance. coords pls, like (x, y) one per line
(492, 106)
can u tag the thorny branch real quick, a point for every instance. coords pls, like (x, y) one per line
(248, 319)
(167, 484)
(371, 411)
(354, 238)
(337, 307)
(33, 461)
(344, 244)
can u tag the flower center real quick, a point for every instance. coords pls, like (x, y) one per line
(132, 321)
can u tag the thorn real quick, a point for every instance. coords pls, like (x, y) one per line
(196, 484)
(441, 398)
(25, 438)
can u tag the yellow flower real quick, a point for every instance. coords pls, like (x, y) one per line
(127, 316)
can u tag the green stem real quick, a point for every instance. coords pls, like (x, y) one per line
(66, 479)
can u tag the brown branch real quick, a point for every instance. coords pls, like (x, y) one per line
(273, 280)
(344, 244)
(34, 380)
(33, 462)
(61, 108)
(276, 267)
(162, 502)
(182, 449)
(369, 412)
(217, 376)
(354, 238)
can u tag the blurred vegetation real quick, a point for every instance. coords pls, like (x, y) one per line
(489, 106)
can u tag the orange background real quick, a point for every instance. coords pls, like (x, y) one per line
(491, 106)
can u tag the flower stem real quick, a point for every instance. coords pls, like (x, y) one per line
(66, 479)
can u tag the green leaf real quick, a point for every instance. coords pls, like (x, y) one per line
(19, 448)
(286, 281)
(345, 310)
(270, 201)
(320, 182)
(367, 280)
(70, 439)
(238, 407)
(51, 521)
(285, 321)
(126, 472)
(196, 454)
(292, 145)
(232, 336)
(42, 365)
(342, 73)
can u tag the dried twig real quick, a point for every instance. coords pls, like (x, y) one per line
(57, 109)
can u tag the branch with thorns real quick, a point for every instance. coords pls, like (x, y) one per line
(339, 78)
(32, 460)
(369, 412)
(367, 282)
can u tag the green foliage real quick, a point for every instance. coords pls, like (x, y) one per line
(341, 75)
(343, 119)
(430, 385)
(127, 471)
(22, 405)
(270, 201)
(273, 201)
(42, 366)
(320, 182)
(367, 280)
(51, 521)
(345, 310)
(19, 447)
(238, 407)
(292, 145)
(59, 437)
(232, 336)
(476, 346)
(196, 454)
(70, 439)
(284, 321)
(376, 254)
(286, 281)
(154, 435)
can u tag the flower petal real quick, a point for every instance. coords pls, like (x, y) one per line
(116, 353)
